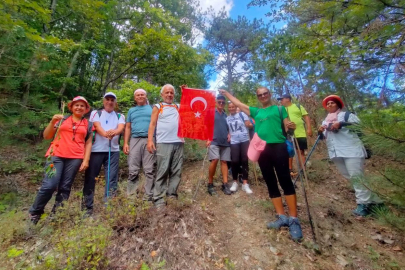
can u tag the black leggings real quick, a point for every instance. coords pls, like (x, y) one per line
(239, 158)
(275, 156)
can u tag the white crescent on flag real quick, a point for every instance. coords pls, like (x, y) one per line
(198, 99)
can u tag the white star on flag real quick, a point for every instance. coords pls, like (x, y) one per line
(197, 114)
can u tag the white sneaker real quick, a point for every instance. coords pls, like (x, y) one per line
(234, 186)
(246, 188)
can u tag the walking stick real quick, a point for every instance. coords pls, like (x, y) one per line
(254, 172)
(306, 160)
(202, 173)
(109, 165)
(299, 164)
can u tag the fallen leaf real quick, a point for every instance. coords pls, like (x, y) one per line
(310, 258)
(153, 253)
(397, 248)
(275, 251)
(341, 260)
(377, 237)
(389, 241)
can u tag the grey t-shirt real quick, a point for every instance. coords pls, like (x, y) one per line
(221, 130)
(237, 129)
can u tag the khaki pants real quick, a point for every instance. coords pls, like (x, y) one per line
(138, 158)
(169, 158)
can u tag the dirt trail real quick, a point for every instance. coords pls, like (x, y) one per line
(226, 232)
(238, 238)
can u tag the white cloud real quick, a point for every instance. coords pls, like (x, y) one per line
(217, 5)
(222, 76)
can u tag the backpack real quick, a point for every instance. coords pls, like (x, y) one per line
(169, 105)
(89, 127)
(290, 146)
(359, 134)
(99, 112)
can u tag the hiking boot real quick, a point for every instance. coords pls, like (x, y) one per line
(282, 221)
(35, 218)
(362, 210)
(295, 229)
(226, 189)
(88, 213)
(246, 188)
(234, 186)
(211, 189)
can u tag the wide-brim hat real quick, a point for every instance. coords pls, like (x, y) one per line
(334, 98)
(76, 99)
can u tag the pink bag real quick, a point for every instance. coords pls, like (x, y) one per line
(256, 147)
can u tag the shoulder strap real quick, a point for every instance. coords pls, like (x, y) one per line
(347, 115)
(241, 116)
(281, 119)
(89, 129)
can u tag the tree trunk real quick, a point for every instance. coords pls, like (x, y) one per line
(33, 64)
(70, 71)
(72, 66)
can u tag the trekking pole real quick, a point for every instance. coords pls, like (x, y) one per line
(299, 164)
(308, 157)
(254, 172)
(108, 170)
(202, 172)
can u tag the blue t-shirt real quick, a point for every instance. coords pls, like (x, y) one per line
(139, 117)
(221, 130)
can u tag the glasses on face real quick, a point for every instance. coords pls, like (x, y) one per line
(265, 94)
(221, 102)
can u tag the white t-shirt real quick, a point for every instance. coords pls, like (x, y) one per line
(168, 124)
(108, 121)
(237, 128)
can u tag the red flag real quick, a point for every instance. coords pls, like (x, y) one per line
(197, 114)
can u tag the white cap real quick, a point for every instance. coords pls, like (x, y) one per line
(110, 94)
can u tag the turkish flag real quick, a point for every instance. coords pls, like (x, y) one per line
(197, 114)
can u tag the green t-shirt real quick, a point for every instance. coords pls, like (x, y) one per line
(295, 114)
(268, 123)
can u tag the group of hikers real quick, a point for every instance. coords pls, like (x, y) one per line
(152, 144)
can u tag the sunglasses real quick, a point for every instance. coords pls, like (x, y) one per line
(221, 102)
(262, 94)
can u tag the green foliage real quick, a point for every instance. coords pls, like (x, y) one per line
(13, 252)
(80, 247)
(194, 150)
(233, 42)
(54, 50)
